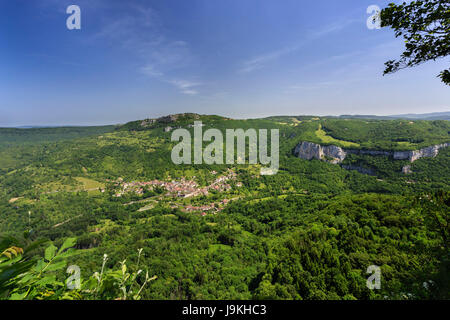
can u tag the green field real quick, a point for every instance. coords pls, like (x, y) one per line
(89, 184)
(322, 135)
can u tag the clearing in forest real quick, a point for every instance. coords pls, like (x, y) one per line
(322, 135)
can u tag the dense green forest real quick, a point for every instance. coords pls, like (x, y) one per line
(11, 136)
(107, 199)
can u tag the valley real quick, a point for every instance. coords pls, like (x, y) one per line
(224, 231)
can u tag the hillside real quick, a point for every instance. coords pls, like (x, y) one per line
(11, 136)
(225, 231)
(411, 116)
(425, 116)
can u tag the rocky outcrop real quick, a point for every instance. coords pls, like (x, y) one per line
(148, 122)
(308, 150)
(169, 119)
(411, 155)
(428, 152)
(334, 154)
(406, 169)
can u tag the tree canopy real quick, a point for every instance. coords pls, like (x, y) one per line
(425, 26)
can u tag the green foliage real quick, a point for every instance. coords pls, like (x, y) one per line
(41, 279)
(116, 284)
(308, 232)
(425, 27)
(35, 279)
(11, 136)
(389, 134)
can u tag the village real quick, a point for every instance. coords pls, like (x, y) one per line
(183, 188)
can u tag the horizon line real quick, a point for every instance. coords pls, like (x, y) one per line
(238, 118)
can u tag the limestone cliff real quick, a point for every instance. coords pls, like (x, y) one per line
(428, 152)
(308, 150)
(334, 154)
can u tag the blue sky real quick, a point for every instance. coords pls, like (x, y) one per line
(138, 59)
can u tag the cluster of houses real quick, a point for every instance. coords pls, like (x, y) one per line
(183, 188)
(180, 188)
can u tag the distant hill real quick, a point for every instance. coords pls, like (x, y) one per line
(32, 135)
(422, 116)
(425, 116)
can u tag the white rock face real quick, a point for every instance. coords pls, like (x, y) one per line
(428, 152)
(406, 170)
(309, 150)
(337, 153)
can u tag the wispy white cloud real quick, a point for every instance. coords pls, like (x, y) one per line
(186, 87)
(338, 79)
(259, 62)
(140, 31)
(262, 60)
(331, 28)
(151, 71)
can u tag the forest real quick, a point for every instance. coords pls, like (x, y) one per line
(107, 207)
